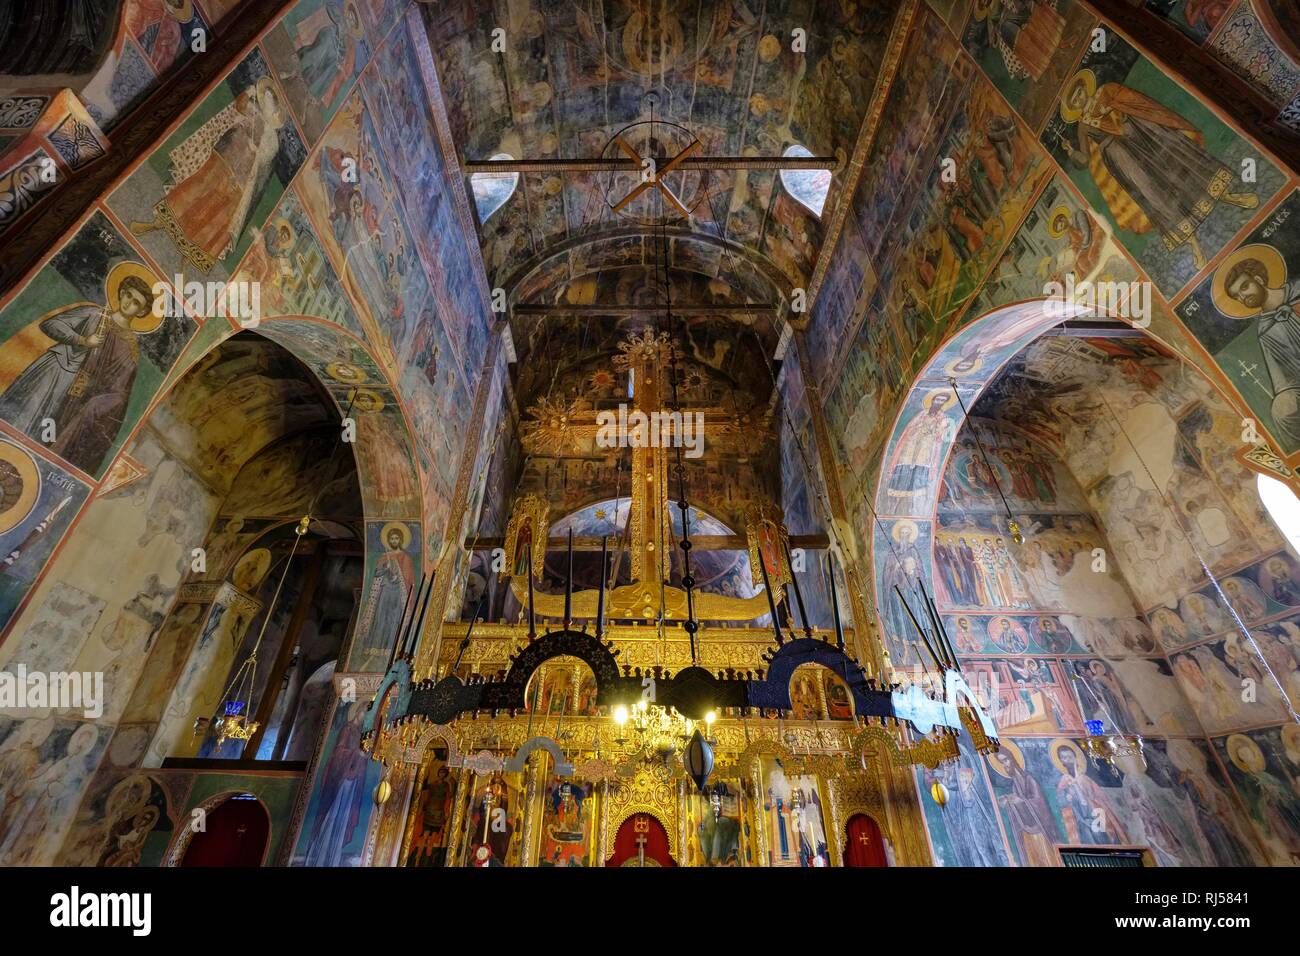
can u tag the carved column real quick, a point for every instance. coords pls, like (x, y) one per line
(603, 838)
(759, 816)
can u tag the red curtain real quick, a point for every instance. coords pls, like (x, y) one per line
(656, 841)
(866, 847)
(236, 835)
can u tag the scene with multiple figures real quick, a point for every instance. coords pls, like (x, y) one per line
(650, 433)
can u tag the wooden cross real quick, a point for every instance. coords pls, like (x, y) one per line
(654, 175)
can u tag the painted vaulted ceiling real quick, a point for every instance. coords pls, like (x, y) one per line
(569, 77)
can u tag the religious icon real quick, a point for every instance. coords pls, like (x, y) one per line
(1270, 800)
(719, 825)
(804, 701)
(393, 579)
(1086, 813)
(1008, 635)
(1149, 163)
(566, 824)
(492, 824)
(432, 812)
(343, 791)
(793, 818)
(82, 382)
(1025, 32)
(920, 448)
(1031, 824)
(326, 47)
(839, 705)
(156, 24)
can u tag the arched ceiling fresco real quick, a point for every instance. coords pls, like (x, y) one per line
(243, 397)
(569, 77)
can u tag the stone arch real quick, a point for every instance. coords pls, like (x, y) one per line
(781, 284)
(385, 449)
(929, 417)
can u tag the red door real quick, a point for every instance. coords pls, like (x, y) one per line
(865, 847)
(236, 834)
(641, 831)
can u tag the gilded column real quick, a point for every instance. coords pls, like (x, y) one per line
(759, 816)
(603, 838)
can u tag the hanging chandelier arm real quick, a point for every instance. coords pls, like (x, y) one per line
(919, 630)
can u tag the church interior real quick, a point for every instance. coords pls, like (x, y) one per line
(649, 433)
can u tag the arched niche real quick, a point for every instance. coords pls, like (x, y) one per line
(232, 828)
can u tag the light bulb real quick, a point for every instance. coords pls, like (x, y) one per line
(620, 715)
(709, 718)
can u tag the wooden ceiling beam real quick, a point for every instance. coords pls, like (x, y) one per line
(537, 309)
(602, 165)
(704, 542)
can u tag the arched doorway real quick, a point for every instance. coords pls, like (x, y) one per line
(641, 841)
(864, 844)
(236, 832)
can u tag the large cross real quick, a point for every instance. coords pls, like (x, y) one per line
(648, 359)
(652, 175)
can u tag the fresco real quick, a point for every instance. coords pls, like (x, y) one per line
(40, 502)
(340, 281)
(394, 557)
(46, 763)
(317, 51)
(967, 831)
(197, 201)
(398, 84)
(83, 350)
(348, 191)
(294, 275)
(126, 820)
(1050, 795)
(1240, 312)
(333, 829)
(816, 99)
(82, 618)
(1027, 49)
(1262, 764)
(1163, 168)
(1049, 643)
